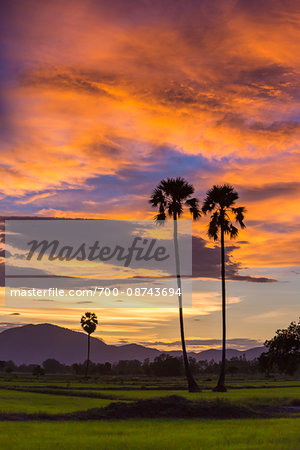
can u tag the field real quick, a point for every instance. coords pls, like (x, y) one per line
(267, 434)
(60, 412)
(26, 402)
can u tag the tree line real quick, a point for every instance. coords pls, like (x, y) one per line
(163, 365)
(282, 356)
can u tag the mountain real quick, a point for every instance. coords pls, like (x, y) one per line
(255, 352)
(216, 355)
(33, 344)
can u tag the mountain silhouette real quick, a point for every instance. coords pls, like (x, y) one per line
(33, 344)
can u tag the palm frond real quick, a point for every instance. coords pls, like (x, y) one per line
(194, 209)
(177, 188)
(160, 217)
(221, 199)
(170, 195)
(157, 197)
(175, 207)
(239, 215)
(89, 322)
(213, 227)
(209, 203)
(233, 231)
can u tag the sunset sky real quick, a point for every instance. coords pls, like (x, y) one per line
(101, 99)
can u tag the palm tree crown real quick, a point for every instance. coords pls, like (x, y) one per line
(89, 322)
(170, 195)
(220, 200)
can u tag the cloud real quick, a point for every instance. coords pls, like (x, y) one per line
(238, 343)
(34, 198)
(206, 263)
(84, 302)
(68, 80)
(112, 109)
(276, 313)
(268, 191)
(6, 325)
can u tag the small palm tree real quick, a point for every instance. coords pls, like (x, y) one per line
(89, 323)
(170, 196)
(220, 201)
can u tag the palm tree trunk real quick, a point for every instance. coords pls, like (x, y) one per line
(192, 385)
(88, 357)
(221, 382)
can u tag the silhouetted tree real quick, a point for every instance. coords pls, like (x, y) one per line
(10, 366)
(38, 371)
(51, 365)
(166, 365)
(283, 350)
(170, 196)
(104, 369)
(264, 364)
(220, 201)
(146, 366)
(77, 368)
(89, 324)
(128, 367)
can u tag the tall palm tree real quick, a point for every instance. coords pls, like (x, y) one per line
(89, 323)
(220, 201)
(170, 196)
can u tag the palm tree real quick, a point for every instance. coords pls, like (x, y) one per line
(220, 201)
(170, 196)
(89, 324)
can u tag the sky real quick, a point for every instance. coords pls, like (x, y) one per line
(100, 100)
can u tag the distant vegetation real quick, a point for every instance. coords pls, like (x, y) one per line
(162, 366)
(283, 351)
(283, 356)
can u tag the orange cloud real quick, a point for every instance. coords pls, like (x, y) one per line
(100, 90)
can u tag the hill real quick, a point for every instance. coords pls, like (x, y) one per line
(32, 344)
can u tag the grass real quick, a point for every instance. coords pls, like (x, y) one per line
(266, 434)
(27, 402)
(57, 397)
(137, 383)
(262, 395)
(31, 406)
(60, 395)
